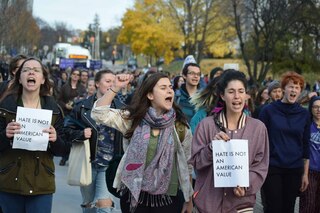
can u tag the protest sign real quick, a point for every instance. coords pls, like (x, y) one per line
(231, 66)
(230, 163)
(33, 122)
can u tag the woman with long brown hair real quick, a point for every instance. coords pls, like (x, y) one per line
(153, 172)
(27, 177)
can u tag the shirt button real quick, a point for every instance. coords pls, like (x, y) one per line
(230, 132)
(235, 131)
(31, 191)
(225, 194)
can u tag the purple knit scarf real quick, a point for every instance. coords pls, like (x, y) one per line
(154, 178)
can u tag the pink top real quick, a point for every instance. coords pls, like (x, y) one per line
(209, 199)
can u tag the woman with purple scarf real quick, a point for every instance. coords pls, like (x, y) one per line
(153, 174)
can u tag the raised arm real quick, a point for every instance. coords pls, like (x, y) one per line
(120, 81)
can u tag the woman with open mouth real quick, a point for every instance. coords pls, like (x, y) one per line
(27, 176)
(288, 125)
(153, 174)
(229, 123)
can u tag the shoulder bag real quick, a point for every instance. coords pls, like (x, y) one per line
(79, 171)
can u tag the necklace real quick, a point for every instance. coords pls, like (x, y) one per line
(30, 106)
(37, 107)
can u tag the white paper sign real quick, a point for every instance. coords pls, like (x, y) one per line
(231, 66)
(32, 122)
(230, 163)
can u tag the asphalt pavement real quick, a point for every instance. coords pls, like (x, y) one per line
(67, 199)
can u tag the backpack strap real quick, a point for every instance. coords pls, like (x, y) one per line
(181, 130)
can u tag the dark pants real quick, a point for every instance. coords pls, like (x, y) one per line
(25, 203)
(281, 189)
(174, 207)
(309, 199)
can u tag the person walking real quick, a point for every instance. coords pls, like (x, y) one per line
(153, 171)
(27, 178)
(70, 92)
(14, 65)
(191, 73)
(103, 142)
(288, 125)
(309, 199)
(229, 123)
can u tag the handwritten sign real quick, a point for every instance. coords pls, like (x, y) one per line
(230, 163)
(33, 122)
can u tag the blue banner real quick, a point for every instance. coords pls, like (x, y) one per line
(95, 64)
(65, 63)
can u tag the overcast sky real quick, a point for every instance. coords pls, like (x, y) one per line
(80, 13)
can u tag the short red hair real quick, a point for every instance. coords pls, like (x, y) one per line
(292, 76)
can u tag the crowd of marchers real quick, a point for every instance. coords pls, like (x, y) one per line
(163, 131)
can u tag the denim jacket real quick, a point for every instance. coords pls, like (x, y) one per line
(80, 118)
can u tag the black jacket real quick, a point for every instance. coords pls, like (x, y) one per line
(80, 118)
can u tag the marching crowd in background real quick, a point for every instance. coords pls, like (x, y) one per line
(160, 129)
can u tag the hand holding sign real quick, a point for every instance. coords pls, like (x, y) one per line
(231, 164)
(239, 191)
(35, 129)
(12, 128)
(52, 133)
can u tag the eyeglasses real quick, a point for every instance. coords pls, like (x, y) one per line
(316, 107)
(28, 69)
(194, 74)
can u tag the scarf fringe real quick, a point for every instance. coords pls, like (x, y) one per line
(148, 200)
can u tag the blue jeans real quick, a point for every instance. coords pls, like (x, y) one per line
(97, 190)
(25, 203)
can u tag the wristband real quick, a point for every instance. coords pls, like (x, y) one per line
(113, 90)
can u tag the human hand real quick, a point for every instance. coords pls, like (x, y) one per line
(239, 191)
(121, 81)
(69, 105)
(311, 94)
(304, 183)
(221, 136)
(187, 207)
(52, 133)
(87, 133)
(12, 128)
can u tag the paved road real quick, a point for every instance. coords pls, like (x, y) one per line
(68, 198)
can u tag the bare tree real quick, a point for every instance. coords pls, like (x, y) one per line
(194, 18)
(18, 30)
(260, 25)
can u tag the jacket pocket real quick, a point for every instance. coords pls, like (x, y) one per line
(49, 170)
(5, 169)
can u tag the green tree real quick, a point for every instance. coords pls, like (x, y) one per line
(261, 25)
(300, 48)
